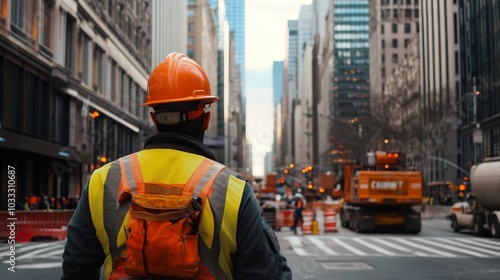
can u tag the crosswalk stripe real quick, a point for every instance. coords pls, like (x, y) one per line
(487, 241)
(411, 244)
(451, 248)
(477, 242)
(392, 245)
(469, 246)
(296, 244)
(374, 247)
(322, 246)
(348, 247)
(34, 253)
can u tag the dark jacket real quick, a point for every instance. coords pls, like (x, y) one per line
(258, 255)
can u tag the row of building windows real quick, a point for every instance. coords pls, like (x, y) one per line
(407, 28)
(351, 36)
(395, 43)
(398, 13)
(354, 27)
(353, 19)
(351, 11)
(30, 105)
(398, 2)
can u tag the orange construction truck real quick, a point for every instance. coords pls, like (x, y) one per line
(381, 194)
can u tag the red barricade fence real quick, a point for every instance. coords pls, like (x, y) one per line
(26, 226)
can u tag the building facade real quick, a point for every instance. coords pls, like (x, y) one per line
(479, 22)
(392, 25)
(440, 89)
(72, 75)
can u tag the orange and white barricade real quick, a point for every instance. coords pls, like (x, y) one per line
(307, 217)
(284, 218)
(330, 218)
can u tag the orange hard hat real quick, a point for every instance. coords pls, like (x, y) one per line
(178, 78)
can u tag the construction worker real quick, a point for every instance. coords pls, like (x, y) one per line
(235, 241)
(297, 213)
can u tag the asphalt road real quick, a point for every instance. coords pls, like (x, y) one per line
(436, 253)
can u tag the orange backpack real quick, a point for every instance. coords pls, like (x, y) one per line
(162, 238)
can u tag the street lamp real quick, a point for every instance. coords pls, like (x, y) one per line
(477, 134)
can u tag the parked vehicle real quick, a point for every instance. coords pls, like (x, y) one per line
(481, 211)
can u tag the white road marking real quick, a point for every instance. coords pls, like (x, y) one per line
(347, 246)
(322, 246)
(373, 247)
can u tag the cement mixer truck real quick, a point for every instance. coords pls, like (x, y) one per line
(481, 211)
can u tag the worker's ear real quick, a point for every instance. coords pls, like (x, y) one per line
(206, 121)
(152, 115)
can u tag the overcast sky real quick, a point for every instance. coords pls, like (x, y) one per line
(266, 26)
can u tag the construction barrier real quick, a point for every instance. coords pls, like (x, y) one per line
(284, 218)
(308, 217)
(26, 226)
(330, 219)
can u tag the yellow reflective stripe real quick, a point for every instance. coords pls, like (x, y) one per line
(96, 205)
(207, 225)
(229, 225)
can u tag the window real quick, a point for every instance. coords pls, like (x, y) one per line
(382, 29)
(383, 58)
(394, 28)
(417, 27)
(416, 13)
(383, 72)
(395, 13)
(408, 2)
(394, 43)
(17, 16)
(124, 89)
(394, 58)
(383, 44)
(45, 29)
(110, 8)
(395, 2)
(407, 42)
(86, 59)
(69, 59)
(3, 11)
(416, 2)
(407, 28)
(407, 13)
(99, 73)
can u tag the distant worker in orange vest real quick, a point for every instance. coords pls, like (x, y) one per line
(297, 213)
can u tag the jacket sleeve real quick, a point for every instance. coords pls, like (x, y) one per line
(83, 254)
(258, 255)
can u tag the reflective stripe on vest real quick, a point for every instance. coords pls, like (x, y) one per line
(216, 258)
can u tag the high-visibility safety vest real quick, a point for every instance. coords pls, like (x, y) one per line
(164, 168)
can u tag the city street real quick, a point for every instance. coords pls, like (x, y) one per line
(436, 253)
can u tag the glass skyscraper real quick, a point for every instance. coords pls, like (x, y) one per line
(235, 14)
(351, 58)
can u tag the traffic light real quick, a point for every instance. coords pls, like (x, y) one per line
(461, 190)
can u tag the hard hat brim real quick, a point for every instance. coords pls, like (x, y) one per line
(204, 99)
